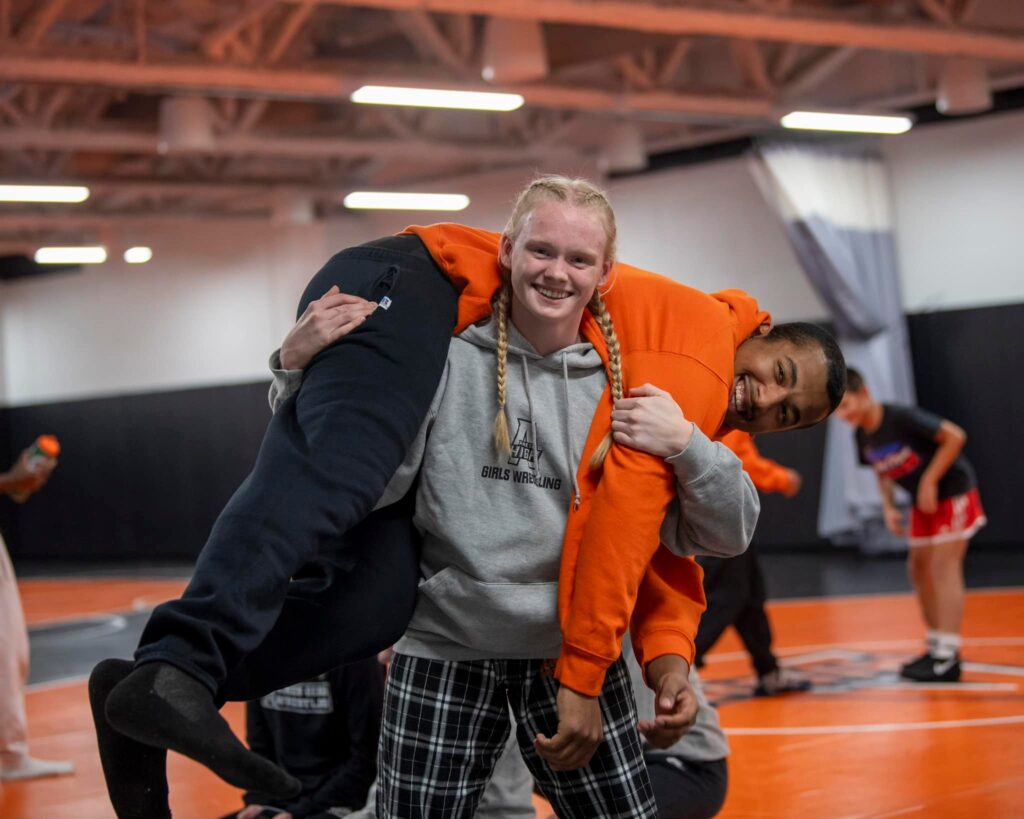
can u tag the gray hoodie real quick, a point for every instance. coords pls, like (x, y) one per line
(492, 525)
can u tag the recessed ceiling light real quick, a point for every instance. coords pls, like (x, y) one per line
(138, 255)
(381, 200)
(436, 98)
(852, 123)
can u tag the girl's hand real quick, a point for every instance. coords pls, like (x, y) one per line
(579, 732)
(651, 421)
(324, 321)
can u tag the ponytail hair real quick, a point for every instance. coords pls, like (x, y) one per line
(604, 321)
(502, 442)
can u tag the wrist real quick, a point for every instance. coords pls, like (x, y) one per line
(666, 664)
(682, 439)
(291, 360)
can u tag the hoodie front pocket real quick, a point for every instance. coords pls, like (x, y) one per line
(495, 619)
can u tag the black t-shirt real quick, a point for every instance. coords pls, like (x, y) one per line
(902, 447)
(324, 732)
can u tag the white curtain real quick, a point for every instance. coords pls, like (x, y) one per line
(835, 205)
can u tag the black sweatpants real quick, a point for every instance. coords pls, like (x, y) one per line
(298, 576)
(685, 789)
(736, 596)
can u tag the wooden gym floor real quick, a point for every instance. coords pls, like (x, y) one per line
(861, 745)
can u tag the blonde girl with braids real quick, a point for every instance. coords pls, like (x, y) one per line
(584, 195)
(498, 460)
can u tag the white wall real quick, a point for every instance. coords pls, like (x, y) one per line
(709, 227)
(206, 310)
(219, 296)
(958, 191)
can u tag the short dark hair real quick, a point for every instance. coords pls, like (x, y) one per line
(801, 334)
(854, 380)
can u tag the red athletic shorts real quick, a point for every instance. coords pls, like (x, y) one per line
(957, 518)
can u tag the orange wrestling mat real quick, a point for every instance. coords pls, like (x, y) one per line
(860, 745)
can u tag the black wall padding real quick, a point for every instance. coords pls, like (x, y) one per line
(786, 523)
(144, 476)
(969, 367)
(140, 476)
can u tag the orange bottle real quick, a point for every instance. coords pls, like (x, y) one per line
(45, 446)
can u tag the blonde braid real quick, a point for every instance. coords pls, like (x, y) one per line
(604, 321)
(501, 309)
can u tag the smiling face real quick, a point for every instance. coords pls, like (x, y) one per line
(855, 407)
(778, 385)
(555, 263)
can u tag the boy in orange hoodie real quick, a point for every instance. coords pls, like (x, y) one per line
(693, 357)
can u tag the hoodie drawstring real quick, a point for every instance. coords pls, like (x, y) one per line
(533, 423)
(534, 465)
(568, 435)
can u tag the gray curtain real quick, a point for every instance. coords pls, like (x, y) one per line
(834, 203)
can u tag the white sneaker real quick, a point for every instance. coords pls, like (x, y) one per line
(28, 767)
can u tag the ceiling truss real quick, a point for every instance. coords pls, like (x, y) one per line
(81, 85)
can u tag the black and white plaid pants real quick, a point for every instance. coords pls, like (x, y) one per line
(446, 723)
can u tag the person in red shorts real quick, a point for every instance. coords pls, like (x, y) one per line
(923, 453)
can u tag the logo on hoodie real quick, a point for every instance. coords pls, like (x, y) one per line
(523, 449)
(525, 455)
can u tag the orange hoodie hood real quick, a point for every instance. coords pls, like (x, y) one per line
(681, 340)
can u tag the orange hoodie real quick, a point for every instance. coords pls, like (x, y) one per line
(681, 340)
(767, 475)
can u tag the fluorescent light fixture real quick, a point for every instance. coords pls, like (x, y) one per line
(71, 255)
(138, 255)
(851, 123)
(436, 98)
(382, 200)
(43, 193)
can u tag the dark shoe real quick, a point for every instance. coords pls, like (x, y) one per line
(162, 706)
(781, 681)
(136, 774)
(927, 668)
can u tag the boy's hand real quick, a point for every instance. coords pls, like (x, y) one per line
(324, 321)
(795, 482)
(651, 421)
(675, 704)
(26, 479)
(894, 521)
(579, 732)
(927, 496)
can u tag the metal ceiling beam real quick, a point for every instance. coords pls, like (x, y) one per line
(334, 86)
(249, 144)
(735, 20)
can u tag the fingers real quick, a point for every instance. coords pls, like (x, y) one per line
(334, 289)
(564, 754)
(647, 389)
(337, 322)
(343, 330)
(340, 299)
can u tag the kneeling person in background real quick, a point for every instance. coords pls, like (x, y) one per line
(324, 732)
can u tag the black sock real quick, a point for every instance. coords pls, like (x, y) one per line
(136, 774)
(162, 706)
